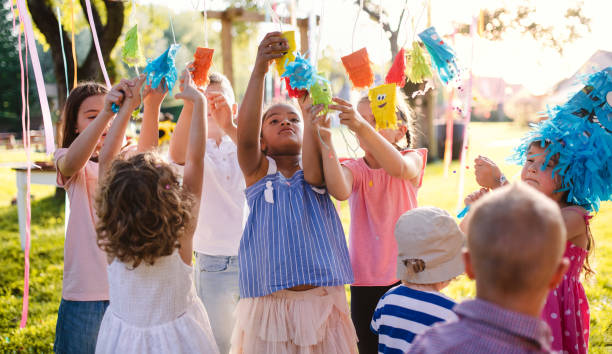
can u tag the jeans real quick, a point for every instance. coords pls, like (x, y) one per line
(216, 281)
(77, 326)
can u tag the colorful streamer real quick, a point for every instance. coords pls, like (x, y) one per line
(24, 18)
(61, 34)
(73, 44)
(94, 34)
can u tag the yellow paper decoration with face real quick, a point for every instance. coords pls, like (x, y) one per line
(289, 56)
(382, 101)
(321, 93)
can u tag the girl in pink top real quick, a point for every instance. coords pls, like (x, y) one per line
(85, 119)
(380, 187)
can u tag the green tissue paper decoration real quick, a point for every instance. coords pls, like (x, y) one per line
(418, 68)
(321, 93)
(132, 53)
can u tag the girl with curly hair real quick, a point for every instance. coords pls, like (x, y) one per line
(146, 225)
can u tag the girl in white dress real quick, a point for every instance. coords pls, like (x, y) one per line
(146, 225)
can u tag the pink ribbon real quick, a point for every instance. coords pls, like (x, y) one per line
(25, 127)
(24, 18)
(96, 42)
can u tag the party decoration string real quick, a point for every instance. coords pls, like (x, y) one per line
(59, 23)
(73, 44)
(355, 25)
(94, 33)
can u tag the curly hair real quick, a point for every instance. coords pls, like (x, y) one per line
(142, 209)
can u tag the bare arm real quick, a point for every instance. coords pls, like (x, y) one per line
(311, 151)
(178, 141)
(575, 226)
(194, 161)
(338, 179)
(85, 143)
(386, 154)
(114, 138)
(250, 157)
(149, 130)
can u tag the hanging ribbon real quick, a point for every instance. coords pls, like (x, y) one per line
(24, 18)
(467, 118)
(74, 58)
(94, 34)
(205, 26)
(25, 128)
(59, 23)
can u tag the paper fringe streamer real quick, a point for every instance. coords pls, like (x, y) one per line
(321, 93)
(442, 56)
(397, 72)
(132, 51)
(383, 103)
(576, 131)
(59, 24)
(163, 68)
(418, 68)
(94, 35)
(295, 93)
(357, 65)
(302, 75)
(201, 63)
(289, 56)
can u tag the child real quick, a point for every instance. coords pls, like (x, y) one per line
(380, 187)
(429, 245)
(293, 257)
(85, 118)
(146, 224)
(568, 158)
(223, 208)
(515, 253)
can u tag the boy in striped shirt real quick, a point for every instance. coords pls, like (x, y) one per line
(429, 256)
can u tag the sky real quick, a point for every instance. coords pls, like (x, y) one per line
(517, 59)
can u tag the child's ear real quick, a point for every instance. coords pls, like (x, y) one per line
(467, 261)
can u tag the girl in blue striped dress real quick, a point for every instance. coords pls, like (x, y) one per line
(293, 257)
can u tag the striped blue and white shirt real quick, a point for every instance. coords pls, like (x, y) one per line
(293, 236)
(402, 313)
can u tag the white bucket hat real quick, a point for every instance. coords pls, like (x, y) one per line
(429, 245)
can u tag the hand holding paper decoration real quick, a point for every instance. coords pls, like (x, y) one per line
(321, 93)
(442, 56)
(383, 102)
(358, 67)
(418, 68)
(163, 68)
(132, 52)
(202, 60)
(289, 56)
(397, 72)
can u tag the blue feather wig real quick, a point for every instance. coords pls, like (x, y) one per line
(163, 67)
(580, 133)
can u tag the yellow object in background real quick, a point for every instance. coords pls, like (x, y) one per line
(166, 128)
(383, 101)
(289, 56)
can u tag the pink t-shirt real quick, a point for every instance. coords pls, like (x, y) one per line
(85, 277)
(377, 201)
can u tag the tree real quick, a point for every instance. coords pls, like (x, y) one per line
(109, 30)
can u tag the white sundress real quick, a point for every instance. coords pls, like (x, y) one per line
(154, 309)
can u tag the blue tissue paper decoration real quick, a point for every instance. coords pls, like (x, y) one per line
(163, 68)
(301, 73)
(442, 56)
(581, 134)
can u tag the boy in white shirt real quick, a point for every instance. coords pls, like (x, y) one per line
(223, 208)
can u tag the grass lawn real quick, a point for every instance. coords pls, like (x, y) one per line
(493, 140)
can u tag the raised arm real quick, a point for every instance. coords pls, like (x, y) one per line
(178, 141)
(85, 143)
(114, 138)
(149, 130)
(223, 113)
(391, 160)
(338, 179)
(311, 151)
(194, 161)
(250, 156)
(488, 174)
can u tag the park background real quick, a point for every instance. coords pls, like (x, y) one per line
(527, 54)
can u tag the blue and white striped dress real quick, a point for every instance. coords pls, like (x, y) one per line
(293, 236)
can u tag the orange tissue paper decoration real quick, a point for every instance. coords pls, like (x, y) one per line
(357, 65)
(397, 73)
(201, 63)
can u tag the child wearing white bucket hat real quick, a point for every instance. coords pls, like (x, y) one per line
(429, 246)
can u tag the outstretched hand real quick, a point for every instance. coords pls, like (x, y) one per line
(473, 197)
(487, 172)
(189, 91)
(348, 115)
(271, 47)
(117, 95)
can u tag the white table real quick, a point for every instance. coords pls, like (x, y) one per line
(45, 175)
